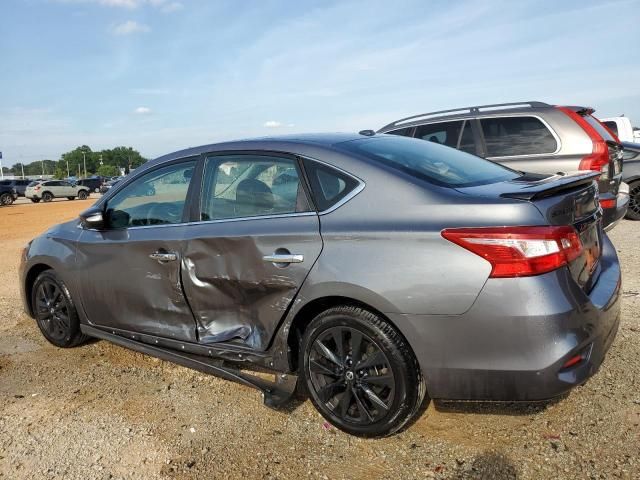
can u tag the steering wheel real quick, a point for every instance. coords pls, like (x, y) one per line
(163, 213)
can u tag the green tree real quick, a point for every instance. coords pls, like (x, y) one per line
(108, 170)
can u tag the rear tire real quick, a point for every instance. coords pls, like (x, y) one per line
(47, 197)
(35, 200)
(360, 373)
(55, 312)
(6, 199)
(82, 194)
(633, 211)
(71, 198)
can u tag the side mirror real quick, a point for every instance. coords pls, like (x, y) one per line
(93, 218)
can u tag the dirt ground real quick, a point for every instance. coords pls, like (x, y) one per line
(102, 412)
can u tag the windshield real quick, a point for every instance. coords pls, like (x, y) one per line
(428, 161)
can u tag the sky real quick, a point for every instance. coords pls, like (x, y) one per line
(161, 75)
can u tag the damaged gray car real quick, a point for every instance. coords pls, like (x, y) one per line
(381, 271)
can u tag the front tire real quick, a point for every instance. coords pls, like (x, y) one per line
(633, 210)
(360, 373)
(55, 311)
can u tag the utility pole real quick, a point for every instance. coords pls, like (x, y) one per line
(22, 167)
(42, 164)
(1, 169)
(68, 168)
(84, 158)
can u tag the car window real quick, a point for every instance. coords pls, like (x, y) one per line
(328, 185)
(435, 164)
(156, 198)
(51, 184)
(467, 142)
(613, 126)
(509, 136)
(238, 186)
(33, 184)
(5, 182)
(404, 132)
(595, 123)
(444, 133)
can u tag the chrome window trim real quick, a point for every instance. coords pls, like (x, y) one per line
(528, 155)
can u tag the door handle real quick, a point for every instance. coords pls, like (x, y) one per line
(284, 258)
(164, 257)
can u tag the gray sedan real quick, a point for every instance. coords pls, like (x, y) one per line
(379, 270)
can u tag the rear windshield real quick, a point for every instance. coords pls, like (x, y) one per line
(33, 184)
(604, 133)
(431, 162)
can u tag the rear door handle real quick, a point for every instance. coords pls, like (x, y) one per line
(284, 258)
(164, 257)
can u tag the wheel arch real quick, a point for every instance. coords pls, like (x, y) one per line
(30, 279)
(303, 317)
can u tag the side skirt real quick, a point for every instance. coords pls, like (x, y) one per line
(275, 393)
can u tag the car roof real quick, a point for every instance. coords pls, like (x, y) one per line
(294, 143)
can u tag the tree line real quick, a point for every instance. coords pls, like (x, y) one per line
(106, 163)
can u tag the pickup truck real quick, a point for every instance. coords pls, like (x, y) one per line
(8, 194)
(623, 129)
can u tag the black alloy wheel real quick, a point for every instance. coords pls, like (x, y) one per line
(351, 375)
(47, 197)
(82, 195)
(633, 211)
(359, 372)
(55, 312)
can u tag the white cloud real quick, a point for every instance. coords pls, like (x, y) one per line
(130, 27)
(272, 124)
(142, 111)
(120, 3)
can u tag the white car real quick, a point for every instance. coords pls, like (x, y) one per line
(50, 189)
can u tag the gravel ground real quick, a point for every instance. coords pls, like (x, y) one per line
(103, 412)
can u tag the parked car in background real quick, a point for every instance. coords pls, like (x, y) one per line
(106, 186)
(93, 183)
(377, 269)
(631, 176)
(621, 127)
(50, 189)
(19, 184)
(8, 194)
(530, 137)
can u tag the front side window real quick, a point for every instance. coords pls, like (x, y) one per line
(510, 136)
(237, 186)
(435, 164)
(444, 133)
(403, 132)
(467, 142)
(156, 198)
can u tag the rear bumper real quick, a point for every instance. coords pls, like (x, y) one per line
(611, 216)
(512, 343)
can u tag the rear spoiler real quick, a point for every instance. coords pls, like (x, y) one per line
(551, 185)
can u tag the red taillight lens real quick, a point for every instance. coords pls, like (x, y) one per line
(519, 251)
(598, 160)
(36, 188)
(573, 361)
(608, 203)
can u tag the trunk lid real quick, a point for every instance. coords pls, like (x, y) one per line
(569, 199)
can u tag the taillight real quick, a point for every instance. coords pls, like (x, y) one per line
(519, 251)
(598, 160)
(608, 203)
(36, 188)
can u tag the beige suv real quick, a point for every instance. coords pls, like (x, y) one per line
(48, 190)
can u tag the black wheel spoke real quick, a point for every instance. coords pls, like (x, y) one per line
(316, 367)
(356, 344)
(330, 390)
(338, 338)
(375, 360)
(52, 312)
(374, 397)
(379, 380)
(365, 415)
(345, 402)
(326, 353)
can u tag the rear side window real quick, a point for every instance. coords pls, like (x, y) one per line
(328, 185)
(403, 132)
(510, 136)
(435, 164)
(444, 133)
